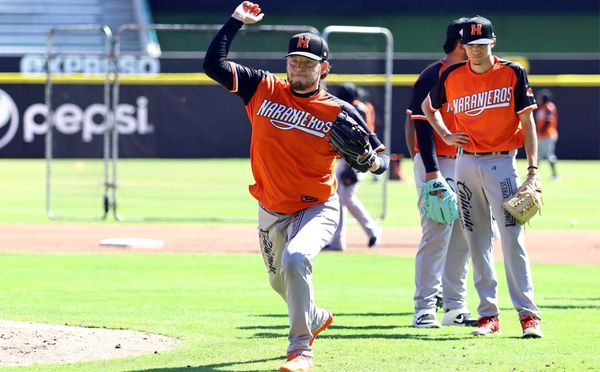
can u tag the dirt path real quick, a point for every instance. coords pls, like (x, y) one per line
(544, 246)
(26, 343)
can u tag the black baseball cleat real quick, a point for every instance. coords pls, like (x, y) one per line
(375, 239)
(439, 302)
(459, 317)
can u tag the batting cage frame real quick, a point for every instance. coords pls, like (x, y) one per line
(119, 80)
(389, 67)
(106, 32)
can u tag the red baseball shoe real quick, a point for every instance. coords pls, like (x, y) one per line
(297, 363)
(531, 327)
(487, 325)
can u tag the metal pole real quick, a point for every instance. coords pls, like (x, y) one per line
(108, 119)
(49, 124)
(106, 31)
(389, 66)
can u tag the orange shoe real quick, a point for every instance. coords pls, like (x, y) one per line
(322, 327)
(531, 327)
(297, 363)
(487, 325)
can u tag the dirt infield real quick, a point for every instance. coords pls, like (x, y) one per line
(26, 343)
(544, 246)
(23, 344)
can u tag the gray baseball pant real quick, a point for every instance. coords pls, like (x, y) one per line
(483, 183)
(289, 244)
(442, 259)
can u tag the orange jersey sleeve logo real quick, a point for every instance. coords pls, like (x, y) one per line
(292, 162)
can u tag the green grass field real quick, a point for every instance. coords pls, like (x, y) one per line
(218, 189)
(229, 319)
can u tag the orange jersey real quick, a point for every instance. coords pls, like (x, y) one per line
(546, 121)
(297, 170)
(486, 106)
(292, 161)
(427, 80)
(291, 158)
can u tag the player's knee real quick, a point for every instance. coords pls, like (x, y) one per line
(295, 263)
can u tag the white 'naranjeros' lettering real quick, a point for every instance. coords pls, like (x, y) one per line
(285, 118)
(475, 104)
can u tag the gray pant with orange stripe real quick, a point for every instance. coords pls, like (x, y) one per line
(483, 183)
(289, 244)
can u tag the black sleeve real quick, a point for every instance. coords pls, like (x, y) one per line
(234, 77)
(426, 141)
(362, 113)
(419, 93)
(524, 96)
(424, 131)
(438, 95)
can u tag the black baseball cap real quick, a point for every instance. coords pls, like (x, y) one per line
(454, 28)
(308, 45)
(478, 30)
(453, 33)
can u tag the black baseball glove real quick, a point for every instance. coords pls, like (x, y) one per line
(351, 140)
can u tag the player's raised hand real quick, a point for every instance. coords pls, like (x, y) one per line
(248, 12)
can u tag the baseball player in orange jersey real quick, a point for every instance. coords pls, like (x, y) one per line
(546, 122)
(441, 263)
(493, 110)
(292, 164)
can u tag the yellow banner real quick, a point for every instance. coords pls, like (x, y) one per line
(562, 80)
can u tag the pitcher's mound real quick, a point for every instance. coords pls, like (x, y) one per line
(23, 344)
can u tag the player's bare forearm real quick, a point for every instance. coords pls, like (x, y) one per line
(409, 135)
(530, 135)
(433, 175)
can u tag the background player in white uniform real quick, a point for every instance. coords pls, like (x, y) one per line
(292, 163)
(492, 105)
(441, 263)
(349, 180)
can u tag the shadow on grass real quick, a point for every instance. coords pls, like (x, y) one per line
(283, 315)
(332, 327)
(215, 367)
(369, 336)
(571, 307)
